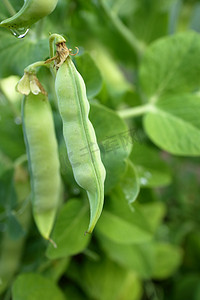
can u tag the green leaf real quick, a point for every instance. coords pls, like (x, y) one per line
(16, 54)
(138, 258)
(169, 66)
(129, 184)
(69, 230)
(96, 279)
(90, 73)
(114, 140)
(30, 286)
(154, 213)
(149, 20)
(151, 168)
(187, 287)
(170, 90)
(168, 259)
(121, 224)
(173, 124)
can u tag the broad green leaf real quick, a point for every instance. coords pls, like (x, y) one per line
(138, 258)
(114, 140)
(168, 259)
(90, 73)
(152, 170)
(121, 224)
(105, 280)
(154, 212)
(169, 66)
(173, 124)
(30, 286)
(69, 230)
(129, 184)
(149, 20)
(16, 54)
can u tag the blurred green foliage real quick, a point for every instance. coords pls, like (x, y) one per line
(146, 245)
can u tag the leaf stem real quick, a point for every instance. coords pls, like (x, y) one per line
(9, 7)
(31, 68)
(58, 39)
(134, 111)
(137, 46)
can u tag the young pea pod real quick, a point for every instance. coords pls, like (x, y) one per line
(39, 133)
(80, 138)
(31, 12)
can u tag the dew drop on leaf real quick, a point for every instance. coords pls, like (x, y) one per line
(20, 32)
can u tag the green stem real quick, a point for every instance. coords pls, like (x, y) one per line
(31, 68)
(58, 39)
(134, 111)
(9, 7)
(135, 44)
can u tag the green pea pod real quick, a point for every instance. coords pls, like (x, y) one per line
(80, 138)
(41, 143)
(31, 12)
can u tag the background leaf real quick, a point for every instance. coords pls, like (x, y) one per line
(151, 168)
(30, 286)
(158, 76)
(174, 130)
(115, 142)
(69, 232)
(121, 224)
(90, 73)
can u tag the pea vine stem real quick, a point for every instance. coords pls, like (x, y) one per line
(135, 44)
(31, 68)
(9, 7)
(134, 111)
(58, 39)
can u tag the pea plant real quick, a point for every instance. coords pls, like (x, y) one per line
(99, 149)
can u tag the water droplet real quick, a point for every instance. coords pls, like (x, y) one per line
(143, 181)
(18, 120)
(20, 32)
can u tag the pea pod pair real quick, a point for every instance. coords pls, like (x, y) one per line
(41, 144)
(31, 12)
(80, 138)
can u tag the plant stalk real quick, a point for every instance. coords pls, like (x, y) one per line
(9, 7)
(134, 43)
(134, 111)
